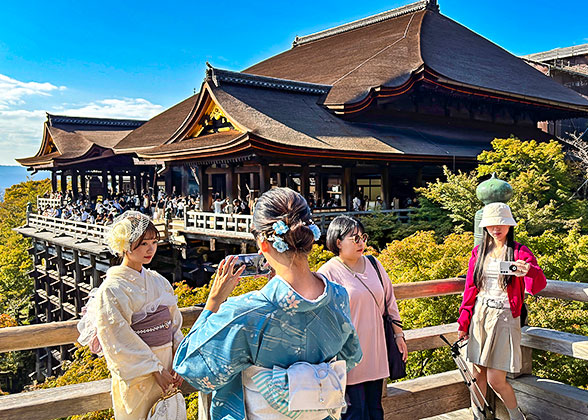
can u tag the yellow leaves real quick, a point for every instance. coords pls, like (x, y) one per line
(419, 257)
(7, 321)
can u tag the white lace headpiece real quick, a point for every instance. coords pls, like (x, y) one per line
(126, 229)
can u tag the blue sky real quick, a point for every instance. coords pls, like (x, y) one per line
(134, 59)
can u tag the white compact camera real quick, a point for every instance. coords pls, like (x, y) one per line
(508, 268)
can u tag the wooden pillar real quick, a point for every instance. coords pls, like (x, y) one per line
(154, 181)
(385, 182)
(120, 183)
(168, 181)
(281, 179)
(264, 178)
(74, 183)
(53, 181)
(232, 183)
(204, 192)
(348, 187)
(304, 182)
(63, 182)
(143, 177)
(83, 181)
(104, 184)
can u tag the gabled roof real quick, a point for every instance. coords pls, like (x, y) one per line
(387, 50)
(280, 117)
(67, 138)
(158, 129)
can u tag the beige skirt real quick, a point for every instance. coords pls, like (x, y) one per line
(495, 338)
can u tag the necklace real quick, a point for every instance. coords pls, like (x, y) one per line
(349, 268)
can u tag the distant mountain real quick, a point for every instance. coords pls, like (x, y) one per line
(10, 175)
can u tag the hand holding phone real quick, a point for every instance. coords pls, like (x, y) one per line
(255, 265)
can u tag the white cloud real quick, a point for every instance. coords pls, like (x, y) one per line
(13, 91)
(21, 128)
(20, 134)
(136, 108)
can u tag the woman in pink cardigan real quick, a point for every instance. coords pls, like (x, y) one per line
(346, 238)
(489, 316)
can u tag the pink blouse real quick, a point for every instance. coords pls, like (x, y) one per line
(366, 315)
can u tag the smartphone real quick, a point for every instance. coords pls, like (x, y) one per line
(507, 268)
(255, 265)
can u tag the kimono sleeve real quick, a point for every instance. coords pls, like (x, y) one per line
(126, 354)
(176, 316)
(351, 349)
(215, 351)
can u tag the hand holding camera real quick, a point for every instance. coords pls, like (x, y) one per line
(517, 268)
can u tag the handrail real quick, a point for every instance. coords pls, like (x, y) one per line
(77, 229)
(92, 396)
(65, 332)
(241, 223)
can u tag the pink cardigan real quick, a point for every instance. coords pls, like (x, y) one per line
(533, 282)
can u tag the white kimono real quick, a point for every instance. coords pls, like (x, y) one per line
(125, 297)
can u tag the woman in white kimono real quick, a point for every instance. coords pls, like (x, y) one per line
(133, 319)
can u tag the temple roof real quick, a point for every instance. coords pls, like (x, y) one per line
(66, 138)
(158, 129)
(275, 116)
(386, 50)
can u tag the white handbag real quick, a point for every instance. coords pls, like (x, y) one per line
(302, 392)
(171, 406)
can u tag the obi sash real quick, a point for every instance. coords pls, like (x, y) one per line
(155, 329)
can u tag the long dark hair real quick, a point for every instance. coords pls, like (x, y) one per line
(485, 247)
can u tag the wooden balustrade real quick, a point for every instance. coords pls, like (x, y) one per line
(80, 231)
(417, 398)
(240, 225)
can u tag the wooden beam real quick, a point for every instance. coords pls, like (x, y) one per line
(547, 399)
(60, 333)
(429, 288)
(425, 397)
(556, 341)
(565, 290)
(57, 402)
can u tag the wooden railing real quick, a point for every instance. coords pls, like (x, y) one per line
(412, 399)
(43, 202)
(239, 225)
(77, 230)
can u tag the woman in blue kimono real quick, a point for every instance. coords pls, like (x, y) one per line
(298, 316)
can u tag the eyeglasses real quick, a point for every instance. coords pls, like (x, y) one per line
(357, 238)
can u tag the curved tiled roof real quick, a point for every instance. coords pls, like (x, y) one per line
(76, 137)
(158, 129)
(387, 49)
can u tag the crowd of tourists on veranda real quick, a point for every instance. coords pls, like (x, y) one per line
(308, 345)
(103, 210)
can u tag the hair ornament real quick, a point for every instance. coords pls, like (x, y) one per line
(279, 244)
(280, 227)
(316, 231)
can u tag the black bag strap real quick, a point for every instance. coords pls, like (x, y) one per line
(372, 260)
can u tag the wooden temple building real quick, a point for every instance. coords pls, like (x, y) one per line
(373, 107)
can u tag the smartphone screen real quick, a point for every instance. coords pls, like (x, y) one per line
(255, 265)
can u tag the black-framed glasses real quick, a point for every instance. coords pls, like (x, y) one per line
(357, 238)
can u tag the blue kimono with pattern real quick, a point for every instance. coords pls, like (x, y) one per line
(273, 326)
